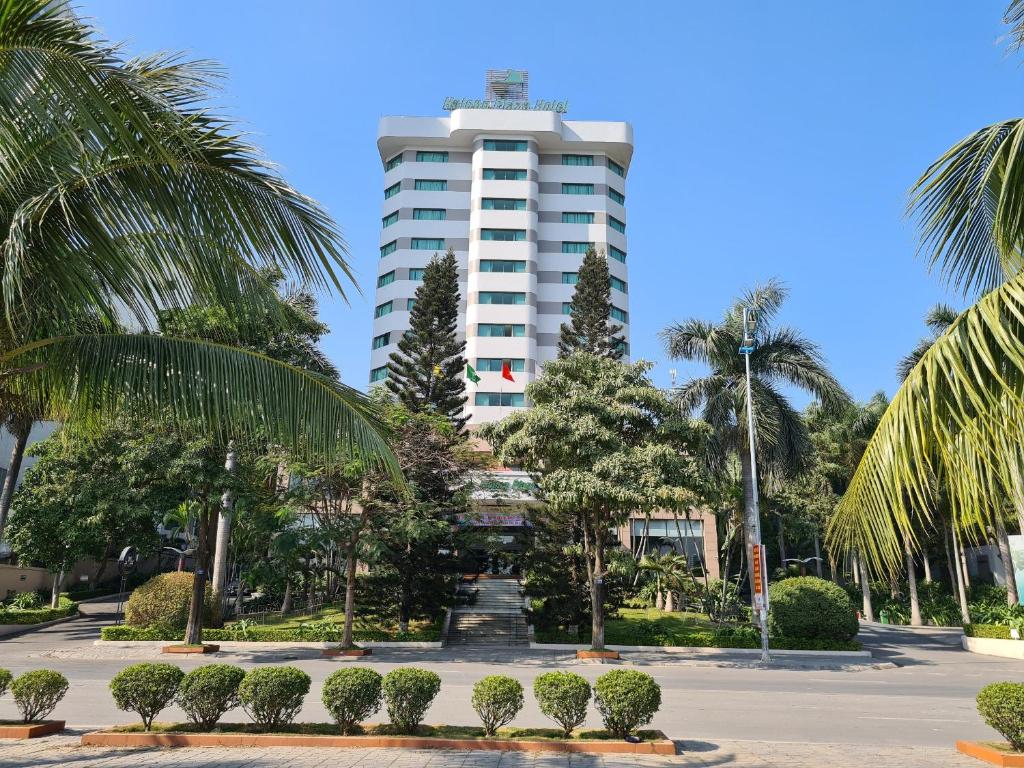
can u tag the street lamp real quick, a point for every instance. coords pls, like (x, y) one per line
(760, 591)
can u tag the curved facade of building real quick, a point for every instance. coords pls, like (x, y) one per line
(518, 195)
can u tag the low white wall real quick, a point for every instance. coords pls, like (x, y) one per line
(1010, 649)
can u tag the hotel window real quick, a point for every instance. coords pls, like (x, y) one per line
(504, 235)
(503, 145)
(388, 220)
(502, 265)
(381, 341)
(493, 364)
(428, 243)
(619, 315)
(386, 279)
(388, 248)
(383, 309)
(616, 254)
(575, 247)
(669, 537)
(504, 174)
(577, 218)
(577, 159)
(431, 157)
(409, 304)
(431, 185)
(622, 346)
(502, 330)
(393, 190)
(615, 168)
(379, 374)
(566, 307)
(507, 399)
(429, 214)
(577, 189)
(618, 285)
(503, 204)
(416, 273)
(502, 297)
(617, 196)
(617, 225)
(394, 162)
(570, 278)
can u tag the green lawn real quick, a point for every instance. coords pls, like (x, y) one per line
(337, 616)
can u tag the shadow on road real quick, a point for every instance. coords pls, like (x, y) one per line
(911, 646)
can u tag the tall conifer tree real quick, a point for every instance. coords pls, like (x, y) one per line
(590, 329)
(426, 373)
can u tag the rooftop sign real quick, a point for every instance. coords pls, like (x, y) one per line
(540, 105)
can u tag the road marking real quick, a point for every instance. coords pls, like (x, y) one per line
(914, 719)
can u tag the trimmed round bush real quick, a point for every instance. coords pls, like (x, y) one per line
(163, 602)
(809, 608)
(38, 692)
(351, 695)
(1001, 705)
(272, 696)
(408, 693)
(146, 689)
(496, 700)
(206, 693)
(563, 697)
(626, 699)
(5, 680)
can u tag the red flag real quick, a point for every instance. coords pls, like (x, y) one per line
(506, 371)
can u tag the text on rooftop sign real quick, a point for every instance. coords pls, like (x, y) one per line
(540, 105)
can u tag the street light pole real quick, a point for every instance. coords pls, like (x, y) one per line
(761, 574)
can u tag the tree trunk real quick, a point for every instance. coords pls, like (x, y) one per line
(239, 597)
(20, 433)
(855, 569)
(965, 574)
(782, 542)
(286, 602)
(194, 628)
(926, 561)
(1012, 598)
(350, 581)
(58, 579)
(103, 566)
(953, 580)
(220, 555)
(749, 527)
(669, 601)
(659, 601)
(865, 589)
(915, 605)
(817, 555)
(965, 613)
(593, 547)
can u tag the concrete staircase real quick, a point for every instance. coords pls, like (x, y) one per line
(495, 619)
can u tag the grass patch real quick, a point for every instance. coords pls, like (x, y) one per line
(11, 615)
(424, 731)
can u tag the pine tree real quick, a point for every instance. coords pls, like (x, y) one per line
(426, 373)
(590, 328)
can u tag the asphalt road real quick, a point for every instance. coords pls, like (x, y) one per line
(927, 700)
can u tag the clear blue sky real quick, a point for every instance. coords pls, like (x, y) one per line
(772, 139)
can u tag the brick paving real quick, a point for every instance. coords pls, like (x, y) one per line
(65, 751)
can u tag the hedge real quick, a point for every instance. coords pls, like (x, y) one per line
(65, 608)
(1001, 705)
(265, 634)
(991, 631)
(163, 601)
(811, 608)
(700, 640)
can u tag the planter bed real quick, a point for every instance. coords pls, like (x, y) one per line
(227, 646)
(19, 730)
(990, 646)
(702, 650)
(993, 752)
(427, 737)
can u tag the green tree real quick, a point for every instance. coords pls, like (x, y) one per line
(604, 443)
(590, 328)
(780, 355)
(426, 373)
(122, 195)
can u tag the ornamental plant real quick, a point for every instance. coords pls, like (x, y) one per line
(563, 697)
(352, 695)
(810, 608)
(1001, 705)
(5, 680)
(163, 602)
(206, 693)
(626, 699)
(146, 689)
(497, 699)
(38, 692)
(408, 693)
(272, 696)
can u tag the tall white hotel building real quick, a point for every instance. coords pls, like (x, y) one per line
(518, 194)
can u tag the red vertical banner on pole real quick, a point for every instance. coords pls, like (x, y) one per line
(760, 593)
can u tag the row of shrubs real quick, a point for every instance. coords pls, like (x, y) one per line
(992, 631)
(36, 693)
(27, 608)
(273, 696)
(313, 631)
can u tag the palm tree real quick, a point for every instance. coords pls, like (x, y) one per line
(959, 413)
(667, 570)
(782, 356)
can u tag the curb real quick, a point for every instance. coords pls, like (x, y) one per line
(701, 650)
(31, 730)
(226, 646)
(989, 754)
(23, 629)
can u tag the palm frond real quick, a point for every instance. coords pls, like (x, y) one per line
(785, 355)
(229, 392)
(1014, 18)
(765, 300)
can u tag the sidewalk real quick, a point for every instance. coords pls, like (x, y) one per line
(63, 750)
